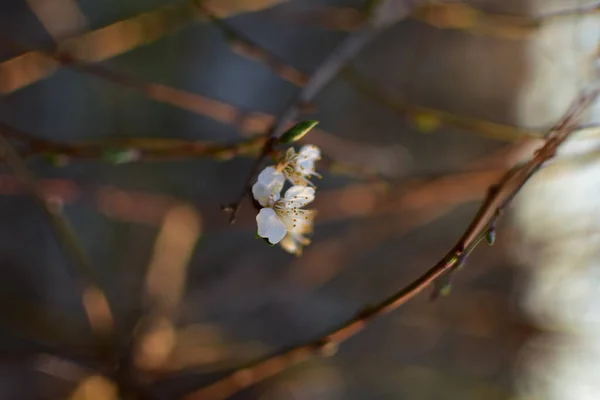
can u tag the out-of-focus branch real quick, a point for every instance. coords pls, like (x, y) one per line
(93, 298)
(144, 148)
(422, 117)
(165, 287)
(441, 15)
(327, 70)
(482, 225)
(61, 18)
(243, 45)
(121, 150)
(431, 118)
(115, 39)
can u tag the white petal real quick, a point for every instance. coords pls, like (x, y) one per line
(270, 176)
(310, 152)
(270, 226)
(268, 186)
(261, 193)
(306, 160)
(298, 222)
(304, 222)
(298, 196)
(299, 179)
(306, 167)
(290, 245)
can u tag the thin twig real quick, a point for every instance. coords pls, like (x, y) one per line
(441, 118)
(161, 149)
(485, 220)
(245, 46)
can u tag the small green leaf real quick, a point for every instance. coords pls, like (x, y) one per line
(57, 160)
(490, 236)
(297, 131)
(445, 289)
(454, 261)
(426, 122)
(120, 156)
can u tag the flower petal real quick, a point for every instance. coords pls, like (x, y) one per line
(270, 226)
(267, 188)
(290, 245)
(304, 222)
(307, 157)
(300, 180)
(270, 176)
(309, 152)
(298, 196)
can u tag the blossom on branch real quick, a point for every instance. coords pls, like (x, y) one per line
(299, 167)
(280, 215)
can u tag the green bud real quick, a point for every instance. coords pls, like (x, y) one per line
(445, 289)
(297, 131)
(57, 160)
(121, 156)
(490, 236)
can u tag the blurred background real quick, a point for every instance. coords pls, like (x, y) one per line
(413, 131)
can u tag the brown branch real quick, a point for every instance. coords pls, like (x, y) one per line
(162, 149)
(415, 114)
(499, 195)
(442, 15)
(117, 38)
(148, 148)
(244, 46)
(93, 298)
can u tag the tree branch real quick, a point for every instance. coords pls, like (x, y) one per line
(94, 299)
(484, 222)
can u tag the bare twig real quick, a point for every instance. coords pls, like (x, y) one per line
(93, 298)
(413, 113)
(441, 118)
(442, 15)
(499, 195)
(147, 148)
(247, 47)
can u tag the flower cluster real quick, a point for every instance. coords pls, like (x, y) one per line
(282, 219)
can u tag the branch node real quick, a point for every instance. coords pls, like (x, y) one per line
(327, 347)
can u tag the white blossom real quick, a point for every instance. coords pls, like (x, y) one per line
(295, 240)
(280, 215)
(299, 167)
